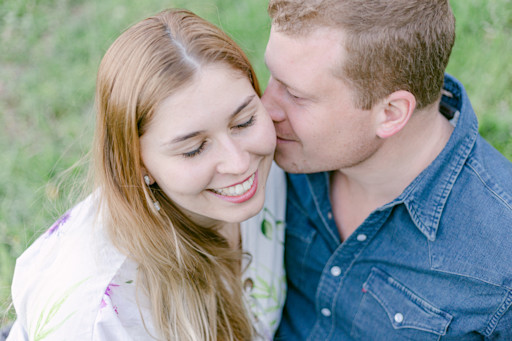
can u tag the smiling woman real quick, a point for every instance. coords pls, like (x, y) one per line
(207, 163)
(182, 151)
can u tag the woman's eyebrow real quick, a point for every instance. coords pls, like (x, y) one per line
(184, 137)
(242, 106)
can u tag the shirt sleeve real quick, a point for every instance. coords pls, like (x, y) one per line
(17, 332)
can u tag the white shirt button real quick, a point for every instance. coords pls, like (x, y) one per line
(329, 215)
(335, 271)
(399, 318)
(248, 284)
(326, 312)
(361, 237)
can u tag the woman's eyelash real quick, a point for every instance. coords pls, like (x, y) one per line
(195, 152)
(199, 150)
(249, 123)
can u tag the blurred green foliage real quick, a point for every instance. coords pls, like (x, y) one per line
(50, 51)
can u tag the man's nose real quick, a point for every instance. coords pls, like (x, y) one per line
(271, 100)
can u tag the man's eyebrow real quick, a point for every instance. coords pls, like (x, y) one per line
(277, 79)
(239, 109)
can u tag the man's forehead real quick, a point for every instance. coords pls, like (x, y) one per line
(321, 47)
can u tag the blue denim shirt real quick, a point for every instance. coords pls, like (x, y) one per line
(433, 264)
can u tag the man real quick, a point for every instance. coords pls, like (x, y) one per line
(401, 228)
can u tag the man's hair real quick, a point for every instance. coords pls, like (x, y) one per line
(390, 44)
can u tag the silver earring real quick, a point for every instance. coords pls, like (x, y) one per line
(156, 204)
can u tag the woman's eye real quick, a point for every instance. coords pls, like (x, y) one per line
(195, 152)
(249, 123)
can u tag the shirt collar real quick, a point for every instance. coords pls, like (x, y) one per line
(426, 196)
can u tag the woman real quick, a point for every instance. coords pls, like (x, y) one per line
(165, 247)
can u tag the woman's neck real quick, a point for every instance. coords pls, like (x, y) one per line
(231, 231)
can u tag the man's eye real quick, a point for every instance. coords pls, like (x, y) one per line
(249, 123)
(195, 152)
(293, 96)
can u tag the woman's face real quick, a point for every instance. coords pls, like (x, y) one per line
(209, 147)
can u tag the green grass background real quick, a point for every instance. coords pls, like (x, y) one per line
(50, 51)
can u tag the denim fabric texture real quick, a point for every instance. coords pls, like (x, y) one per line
(433, 264)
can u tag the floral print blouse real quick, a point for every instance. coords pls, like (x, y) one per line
(73, 284)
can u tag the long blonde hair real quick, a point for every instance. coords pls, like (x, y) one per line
(189, 272)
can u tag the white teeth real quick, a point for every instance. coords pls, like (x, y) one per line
(236, 190)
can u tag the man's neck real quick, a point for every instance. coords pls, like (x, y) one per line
(359, 190)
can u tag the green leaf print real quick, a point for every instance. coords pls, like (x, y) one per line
(43, 329)
(266, 228)
(269, 223)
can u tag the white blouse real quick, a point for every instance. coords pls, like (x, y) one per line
(72, 283)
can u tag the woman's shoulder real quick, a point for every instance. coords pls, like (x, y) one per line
(60, 280)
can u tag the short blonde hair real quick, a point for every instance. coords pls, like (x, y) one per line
(391, 44)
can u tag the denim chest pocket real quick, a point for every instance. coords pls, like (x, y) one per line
(390, 311)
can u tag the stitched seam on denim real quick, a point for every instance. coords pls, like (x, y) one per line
(507, 302)
(294, 202)
(472, 277)
(473, 164)
(319, 211)
(297, 206)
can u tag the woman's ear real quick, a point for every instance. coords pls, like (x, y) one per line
(394, 113)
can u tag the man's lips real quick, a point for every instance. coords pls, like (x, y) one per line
(286, 138)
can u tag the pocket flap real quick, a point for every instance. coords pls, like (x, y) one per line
(404, 308)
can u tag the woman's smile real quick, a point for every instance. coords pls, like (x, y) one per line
(240, 192)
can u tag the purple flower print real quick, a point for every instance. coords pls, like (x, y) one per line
(108, 291)
(109, 288)
(61, 221)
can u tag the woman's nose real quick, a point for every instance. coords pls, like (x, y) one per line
(234, 158)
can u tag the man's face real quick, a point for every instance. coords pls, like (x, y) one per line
(318, 127)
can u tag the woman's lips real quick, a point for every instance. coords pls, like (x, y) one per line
(239, 192)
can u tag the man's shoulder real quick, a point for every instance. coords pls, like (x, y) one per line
(486, 178)
(482, 191)
(475, 233)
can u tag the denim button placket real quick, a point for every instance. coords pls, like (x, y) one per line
(326, 312)
(335, 271)
(361, 237)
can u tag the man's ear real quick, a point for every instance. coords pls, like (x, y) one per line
(394, 113)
